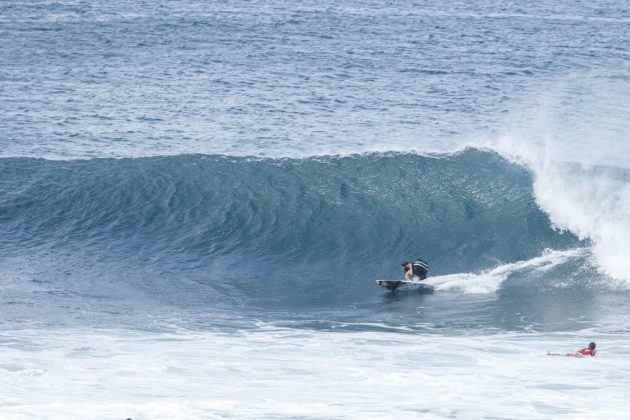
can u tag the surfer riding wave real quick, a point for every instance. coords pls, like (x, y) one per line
(417, 270)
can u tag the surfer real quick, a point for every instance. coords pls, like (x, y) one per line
(416, 270)
(586, 351)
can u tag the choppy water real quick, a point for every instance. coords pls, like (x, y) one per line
(189, 180)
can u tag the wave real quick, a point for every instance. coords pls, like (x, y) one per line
(571, 134)
(590, 200)
(270, 223)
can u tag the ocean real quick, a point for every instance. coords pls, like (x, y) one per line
(197, 197)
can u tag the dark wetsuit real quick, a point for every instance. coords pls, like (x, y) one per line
(420, 269)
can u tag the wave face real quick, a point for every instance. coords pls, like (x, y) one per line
(215, 230)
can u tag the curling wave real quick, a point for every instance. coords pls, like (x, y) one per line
(275, 222)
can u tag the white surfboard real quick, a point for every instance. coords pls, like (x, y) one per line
(395, 284)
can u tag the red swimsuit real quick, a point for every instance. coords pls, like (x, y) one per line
(586, 352)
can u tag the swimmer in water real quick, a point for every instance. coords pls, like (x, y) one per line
(586, 351)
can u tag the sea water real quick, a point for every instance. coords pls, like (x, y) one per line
(196, 199)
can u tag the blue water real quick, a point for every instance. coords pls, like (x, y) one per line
(230, 233)
(220, 167)
(268, 238)
(117, 79)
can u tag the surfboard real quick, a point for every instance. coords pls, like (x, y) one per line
(395, 284)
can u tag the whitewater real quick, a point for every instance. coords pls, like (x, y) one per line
(196, 199)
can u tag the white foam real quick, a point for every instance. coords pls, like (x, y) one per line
(489, 281)
(271, 373)
(591, 196)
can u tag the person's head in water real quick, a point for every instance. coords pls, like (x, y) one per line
(592, 345)
(406, 265)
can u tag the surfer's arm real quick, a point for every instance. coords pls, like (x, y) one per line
(408, 275)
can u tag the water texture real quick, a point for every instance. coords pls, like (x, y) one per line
(196, 199)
